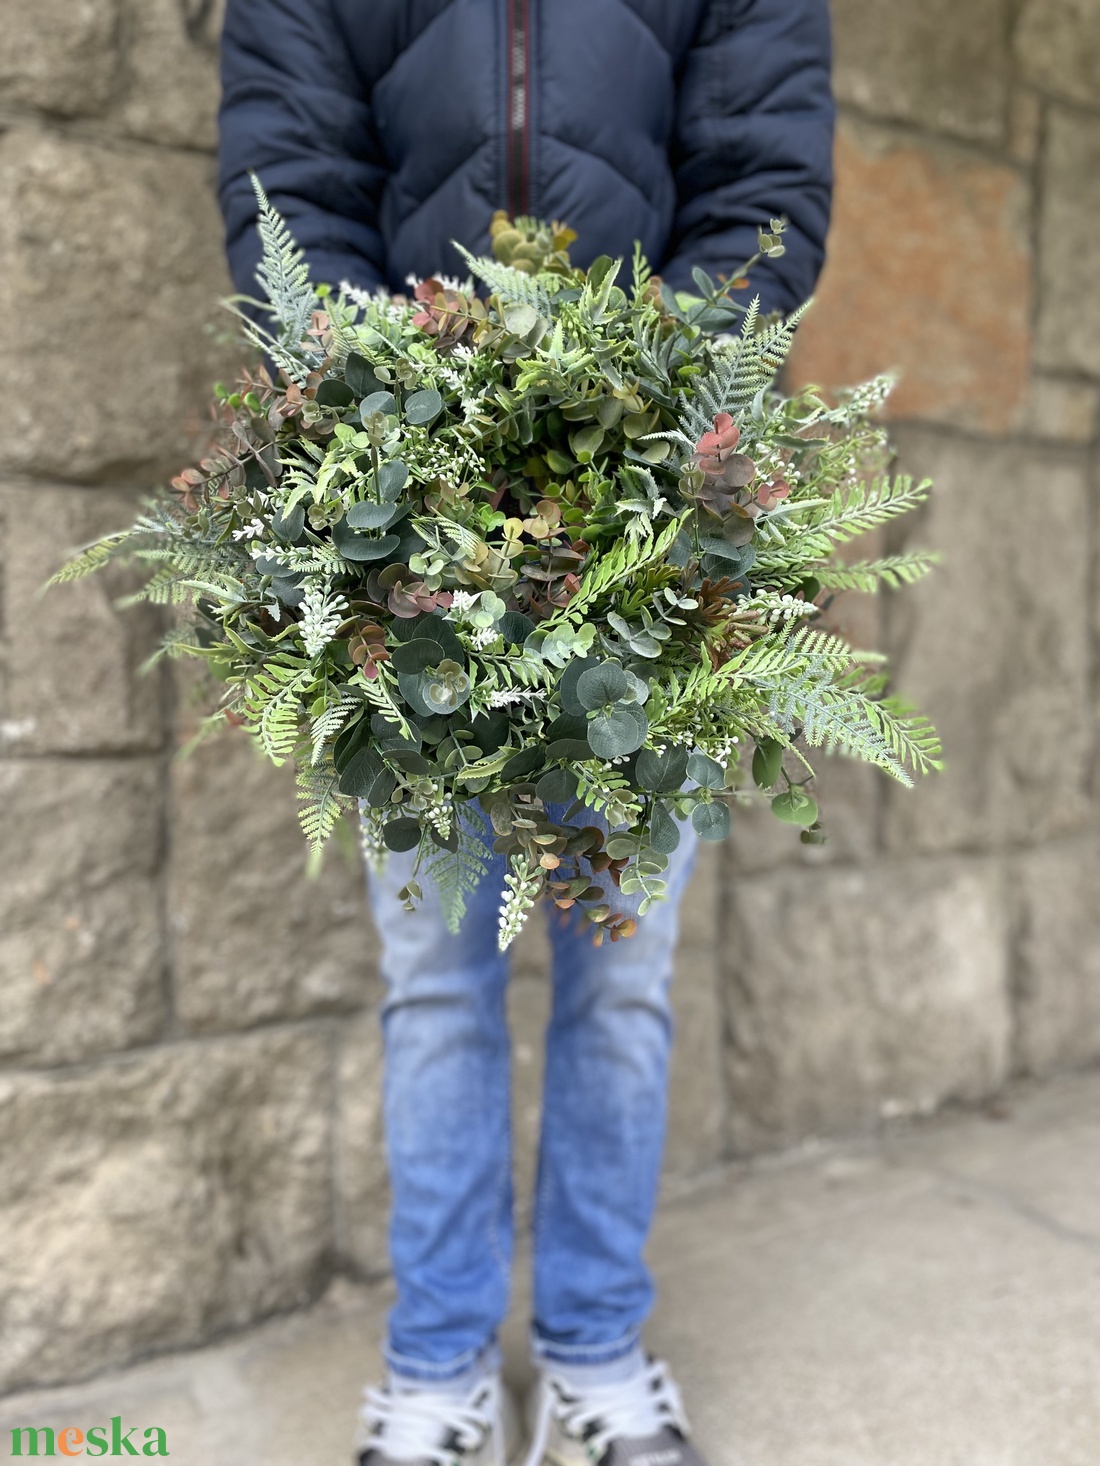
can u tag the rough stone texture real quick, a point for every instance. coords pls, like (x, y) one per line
(1063, 410)
(362, 1186)
(1069, 254)
(60, 56)
(858, 994)
(193, 1187)
(254, 939)
(937, 63)
(81, 950)
(69, 660)
(697, 1103)
(849, 795)
(1058, 998)
(929, 275)
(120, 252)
(170, 71)
(1057, 44)
(994, 647)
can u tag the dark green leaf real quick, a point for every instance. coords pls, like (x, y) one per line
(333, 393)
(767, 762)
(289, 527)
(392, 478)
(402, 834)
(515, 627)
(409, 762)
(525, 762)
(661, 772)
(557, 787)
(359, 376)
(371, 516)
(417, 656)
(567, 684)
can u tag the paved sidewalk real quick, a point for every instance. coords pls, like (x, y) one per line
(929, 1298)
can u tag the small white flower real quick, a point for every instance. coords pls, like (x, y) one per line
(251, 531)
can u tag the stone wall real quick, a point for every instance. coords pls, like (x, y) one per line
(189, 1134)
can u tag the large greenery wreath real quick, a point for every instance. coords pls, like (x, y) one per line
(560, 544)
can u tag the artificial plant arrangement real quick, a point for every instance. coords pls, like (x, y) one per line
(558, 548)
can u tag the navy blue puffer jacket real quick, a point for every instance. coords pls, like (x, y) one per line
(383, 129)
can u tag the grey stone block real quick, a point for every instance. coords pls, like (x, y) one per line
(71, 656)
(936, 64)
(149, 1204)
(121, 251)
(859, 994)
(170, 92)
(60, 56)
(1057, 44)
(362, 1185)
(256, 940)
(1058, 990)
(994, 646)
(81, 949)
(1069, 254)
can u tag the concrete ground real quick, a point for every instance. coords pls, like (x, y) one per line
(930, 1297)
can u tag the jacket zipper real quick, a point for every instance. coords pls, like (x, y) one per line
(519, 105)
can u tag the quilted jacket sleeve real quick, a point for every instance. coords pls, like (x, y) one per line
(294, 113)
(754, 141)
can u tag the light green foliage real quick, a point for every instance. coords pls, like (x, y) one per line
(563, 549)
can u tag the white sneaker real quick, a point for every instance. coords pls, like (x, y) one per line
(637, 1422)
(431, 1427)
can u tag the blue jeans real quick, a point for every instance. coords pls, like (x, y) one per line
(448, 1124)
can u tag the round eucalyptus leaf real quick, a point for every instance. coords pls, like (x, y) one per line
(449, 842)
(601, 685)
(705, 771)
(444, 695)
(417, 655)
(289, 527)
(568, 749)
(617, 732)
(371, 516)
(711, 821)
(664, 831)
(557, 787)
(661, 773)
(359, 547)
(402, 834)
(567, 685)
(423, 407)
(795, 807)
(378, 402)
(409, 686)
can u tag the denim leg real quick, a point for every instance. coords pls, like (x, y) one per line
(446, 1106)
(603, 1125)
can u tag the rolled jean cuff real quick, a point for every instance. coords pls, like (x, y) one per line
(474, 1363)
(546, 1351)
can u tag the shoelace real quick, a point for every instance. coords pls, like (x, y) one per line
(636, 1407)
(422, 1425)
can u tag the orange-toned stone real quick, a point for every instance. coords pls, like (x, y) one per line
(929, 274)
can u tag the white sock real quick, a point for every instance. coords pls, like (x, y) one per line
(579, 1378)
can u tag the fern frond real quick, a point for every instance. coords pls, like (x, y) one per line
(91, 558)
(513, 286)
(283, 273)
(892, 571)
